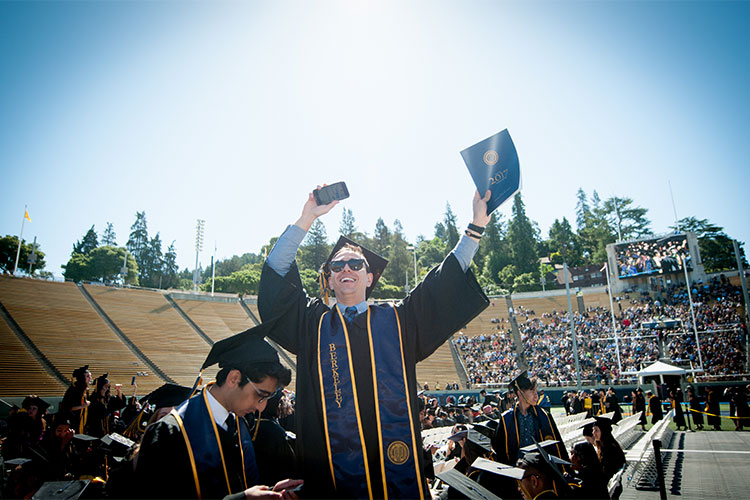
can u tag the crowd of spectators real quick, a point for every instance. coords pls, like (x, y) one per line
(643, 323)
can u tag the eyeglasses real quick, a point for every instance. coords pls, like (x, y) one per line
(262, 395)
(336, 266)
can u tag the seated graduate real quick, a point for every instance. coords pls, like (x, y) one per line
(586, 481)
(610, 452)
(203, 448)
(356, 362)
(538, 481)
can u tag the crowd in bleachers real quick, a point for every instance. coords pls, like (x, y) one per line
(490, 358)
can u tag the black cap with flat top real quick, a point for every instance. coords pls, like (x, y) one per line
(375, 263)
(167, 395)
(521, 382)
(243, 349)
(62, 490)
(471, 489)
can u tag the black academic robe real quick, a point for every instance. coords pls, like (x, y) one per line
(611, 404)
(713, 408)
(273, 452)
(444, 302)
(639, 404)
(696, 409)
(612, 459)
(654, 406)
(101, 410)
(164, 469)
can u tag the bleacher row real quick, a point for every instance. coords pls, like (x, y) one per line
(69, 330)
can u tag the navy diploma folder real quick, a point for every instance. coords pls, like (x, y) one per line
(493, 164)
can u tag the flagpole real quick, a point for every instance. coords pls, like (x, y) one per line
(614, 325)
(20, 238)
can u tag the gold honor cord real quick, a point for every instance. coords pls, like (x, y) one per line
(377, 405)
(216, 434)
(181, 425)
(356, 401)
(323, 402)
(408, 405)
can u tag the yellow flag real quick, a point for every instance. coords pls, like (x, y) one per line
(26, 215)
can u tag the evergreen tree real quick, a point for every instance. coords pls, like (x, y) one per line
(582, 209)
(153, 262)
(563, 240)
(451, 229)
(138, 241)
(348, 227)
(522, 239)
(88, 243)
(399, 258)
(382, 238)
(109, 238)
(314, 249)
(170, 268)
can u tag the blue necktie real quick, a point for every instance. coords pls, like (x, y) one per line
(349, 313)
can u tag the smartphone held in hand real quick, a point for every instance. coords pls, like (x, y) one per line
(333, 192)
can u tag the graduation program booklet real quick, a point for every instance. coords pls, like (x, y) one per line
(493, 164)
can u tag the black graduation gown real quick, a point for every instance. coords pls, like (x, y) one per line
(639, 404)
(612, 458)
(100, 412)
(164, 469)
(654, 406)
(611, 404)
(444, 302)
(273, 453)
(714, 408)
(696, 407)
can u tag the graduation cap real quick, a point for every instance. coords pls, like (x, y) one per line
(30, 401)
(521, 382)
(479, 439)
(80, 372)
(62, 490)
(167, 395)
(375, 264)
(488, 427)
(243, 350)
(587, 426)
(100, 381)
(604, 424)
(498, 468)
(466, 486)
(116, 444)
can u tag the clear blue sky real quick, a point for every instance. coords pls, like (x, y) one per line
(233, 111)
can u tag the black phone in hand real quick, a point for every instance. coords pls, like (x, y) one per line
(333, 192)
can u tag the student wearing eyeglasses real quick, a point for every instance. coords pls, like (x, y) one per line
(203, 448)
(356, 362)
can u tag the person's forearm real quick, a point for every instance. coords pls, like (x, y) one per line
(280, 259)
(465, 250)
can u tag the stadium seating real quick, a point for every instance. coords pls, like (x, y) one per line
(218, 320)
(64, 326)
(20, 372)
(157, 329)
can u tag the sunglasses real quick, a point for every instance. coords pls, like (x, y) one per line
(336, 266)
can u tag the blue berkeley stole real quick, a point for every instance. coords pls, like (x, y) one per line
(509, 425)
(204, 448)
(347, 453)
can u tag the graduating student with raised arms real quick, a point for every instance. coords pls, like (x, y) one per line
(356, 363)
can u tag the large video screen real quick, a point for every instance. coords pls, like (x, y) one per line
(656, 256)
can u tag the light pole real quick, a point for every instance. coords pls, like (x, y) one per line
(200, 227)
(572, 327)
(413, 250)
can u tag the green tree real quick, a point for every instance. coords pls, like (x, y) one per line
(101, 264)
(626, 220)
(314, 249)
(138, 240)
(495, 248)
(87, 243)
(399, 258)
(152, 260)
(507, 276)
(430, 253)
(242, 282)
(170, 268)
(595, 233)
(9, 249)
(451, 228)
(348, 227)
(564, 241)
(381, 238)
(109, 238)
(522, 238)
